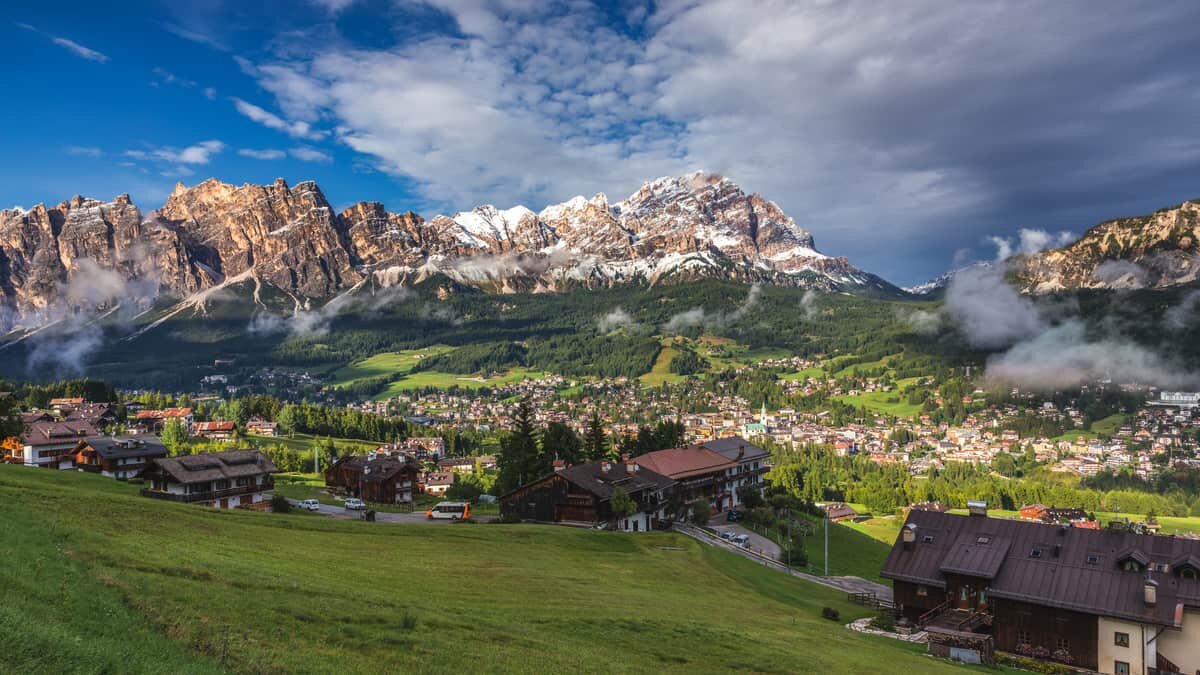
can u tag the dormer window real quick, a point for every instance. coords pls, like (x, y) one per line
(1093, 559)
(1035, 553)
(1130, 565)
(1188, 573)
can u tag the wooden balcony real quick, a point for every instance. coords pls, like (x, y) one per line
(211, 495)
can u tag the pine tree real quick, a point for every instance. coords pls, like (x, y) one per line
(520, 459)
(595, 443)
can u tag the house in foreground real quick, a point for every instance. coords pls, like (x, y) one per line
(752, 463)
(51, 445)
(375, 478)
(117, 457)
(582, 494)
(219, 479)
(1108, 600)
(699, 473)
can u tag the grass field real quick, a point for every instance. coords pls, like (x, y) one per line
(304, 442)
(1108, 426)
(885, 402)
(660, 372)
(851, 551)
(803, 375)
(98, 579)
(391, 363)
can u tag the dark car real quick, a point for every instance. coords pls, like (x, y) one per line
(733, 515)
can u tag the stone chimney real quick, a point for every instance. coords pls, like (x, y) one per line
(977, 508)
(1150, 591)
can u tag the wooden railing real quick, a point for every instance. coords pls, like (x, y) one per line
(872, 601)
(211, 495)
(924, 618)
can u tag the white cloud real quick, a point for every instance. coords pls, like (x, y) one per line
(200, 153)
(307, 154)
(1028, 241)
(270, 120)
(210, 93)
(262, 154)
(79, 50)
(84, 151)
(333, 6)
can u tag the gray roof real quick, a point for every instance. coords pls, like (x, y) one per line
(210, 466)
(1049, 564)
(729, 448)
(121, 447)
(592, 477)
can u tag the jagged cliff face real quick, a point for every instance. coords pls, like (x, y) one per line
(692, 226)
(1154, 251)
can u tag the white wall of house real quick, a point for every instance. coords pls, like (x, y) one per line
(640, 521)
(1182, 647)
(1139, 654)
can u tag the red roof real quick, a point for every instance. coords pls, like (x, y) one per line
(679, 463)
(202, 427)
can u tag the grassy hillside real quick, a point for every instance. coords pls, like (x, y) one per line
(97, 579)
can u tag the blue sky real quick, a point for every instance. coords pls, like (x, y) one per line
(904, 135)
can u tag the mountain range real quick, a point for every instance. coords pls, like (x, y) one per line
(91, 254)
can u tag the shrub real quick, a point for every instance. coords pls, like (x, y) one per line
(700, 511)
(830, 613)
(508, 518)
(280, 504)
(885, 622)
(408, 620)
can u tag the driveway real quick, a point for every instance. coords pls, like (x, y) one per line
(757, 543)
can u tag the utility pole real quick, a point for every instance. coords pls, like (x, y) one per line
(826, 543)
(316, 461)
(789, 539)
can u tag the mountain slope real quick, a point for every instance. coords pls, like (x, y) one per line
(86, 254)
(1153, 251)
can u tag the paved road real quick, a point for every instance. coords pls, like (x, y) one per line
(416, 517)
(757, 543)
(846, 584)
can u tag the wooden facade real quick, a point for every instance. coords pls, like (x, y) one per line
(374, 479)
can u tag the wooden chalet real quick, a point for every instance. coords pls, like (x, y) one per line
(51, 445)
(583, 494)
(257, 426)
(699, 472)
(375, 478)
(219, 479)
(752, 462)
(838, 512)
(1110, 600)
(152, 421)
(437, 483)
(215, 430)
(118, 457)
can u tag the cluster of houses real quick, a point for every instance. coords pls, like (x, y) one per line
(394, 473)
(717, 472)
(1107, 600)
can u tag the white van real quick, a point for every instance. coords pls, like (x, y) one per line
(310, 505)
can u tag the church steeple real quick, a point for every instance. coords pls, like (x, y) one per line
(762, 415)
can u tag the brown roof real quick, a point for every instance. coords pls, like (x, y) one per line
(1053, 565)
(209, 466)
(602, 477)
(680, 463)
(201, 427)
(55, 433)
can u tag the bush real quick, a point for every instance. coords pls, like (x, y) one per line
(508, 518)
(408, 621)
(700, 511)
(884, 622)
(752, 499)
(280, 504)
(1032, 665)
(830, 613)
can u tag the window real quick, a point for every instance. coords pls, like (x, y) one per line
(1022, 637)
(928, 539)
(983, 540)
(1131, 566)
(1093, 559)
(1121, 639)
(1161, 567)
(1062, 643)
(922, 590)
(1120, 668)
(1035, 553)
(1187, 573)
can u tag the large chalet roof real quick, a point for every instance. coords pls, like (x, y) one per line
(56, 433)
(1072, 568)
(121, 447)
(680, 463)
(731, 447)
(215, 466)
(602, 477)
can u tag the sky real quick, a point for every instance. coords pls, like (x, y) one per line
(909, 136)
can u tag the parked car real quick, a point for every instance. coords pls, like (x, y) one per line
(741, 540)
(310, 505)
(355, 504)
(733, 515)
(728, 535)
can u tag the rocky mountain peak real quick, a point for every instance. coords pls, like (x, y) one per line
(681, 227)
